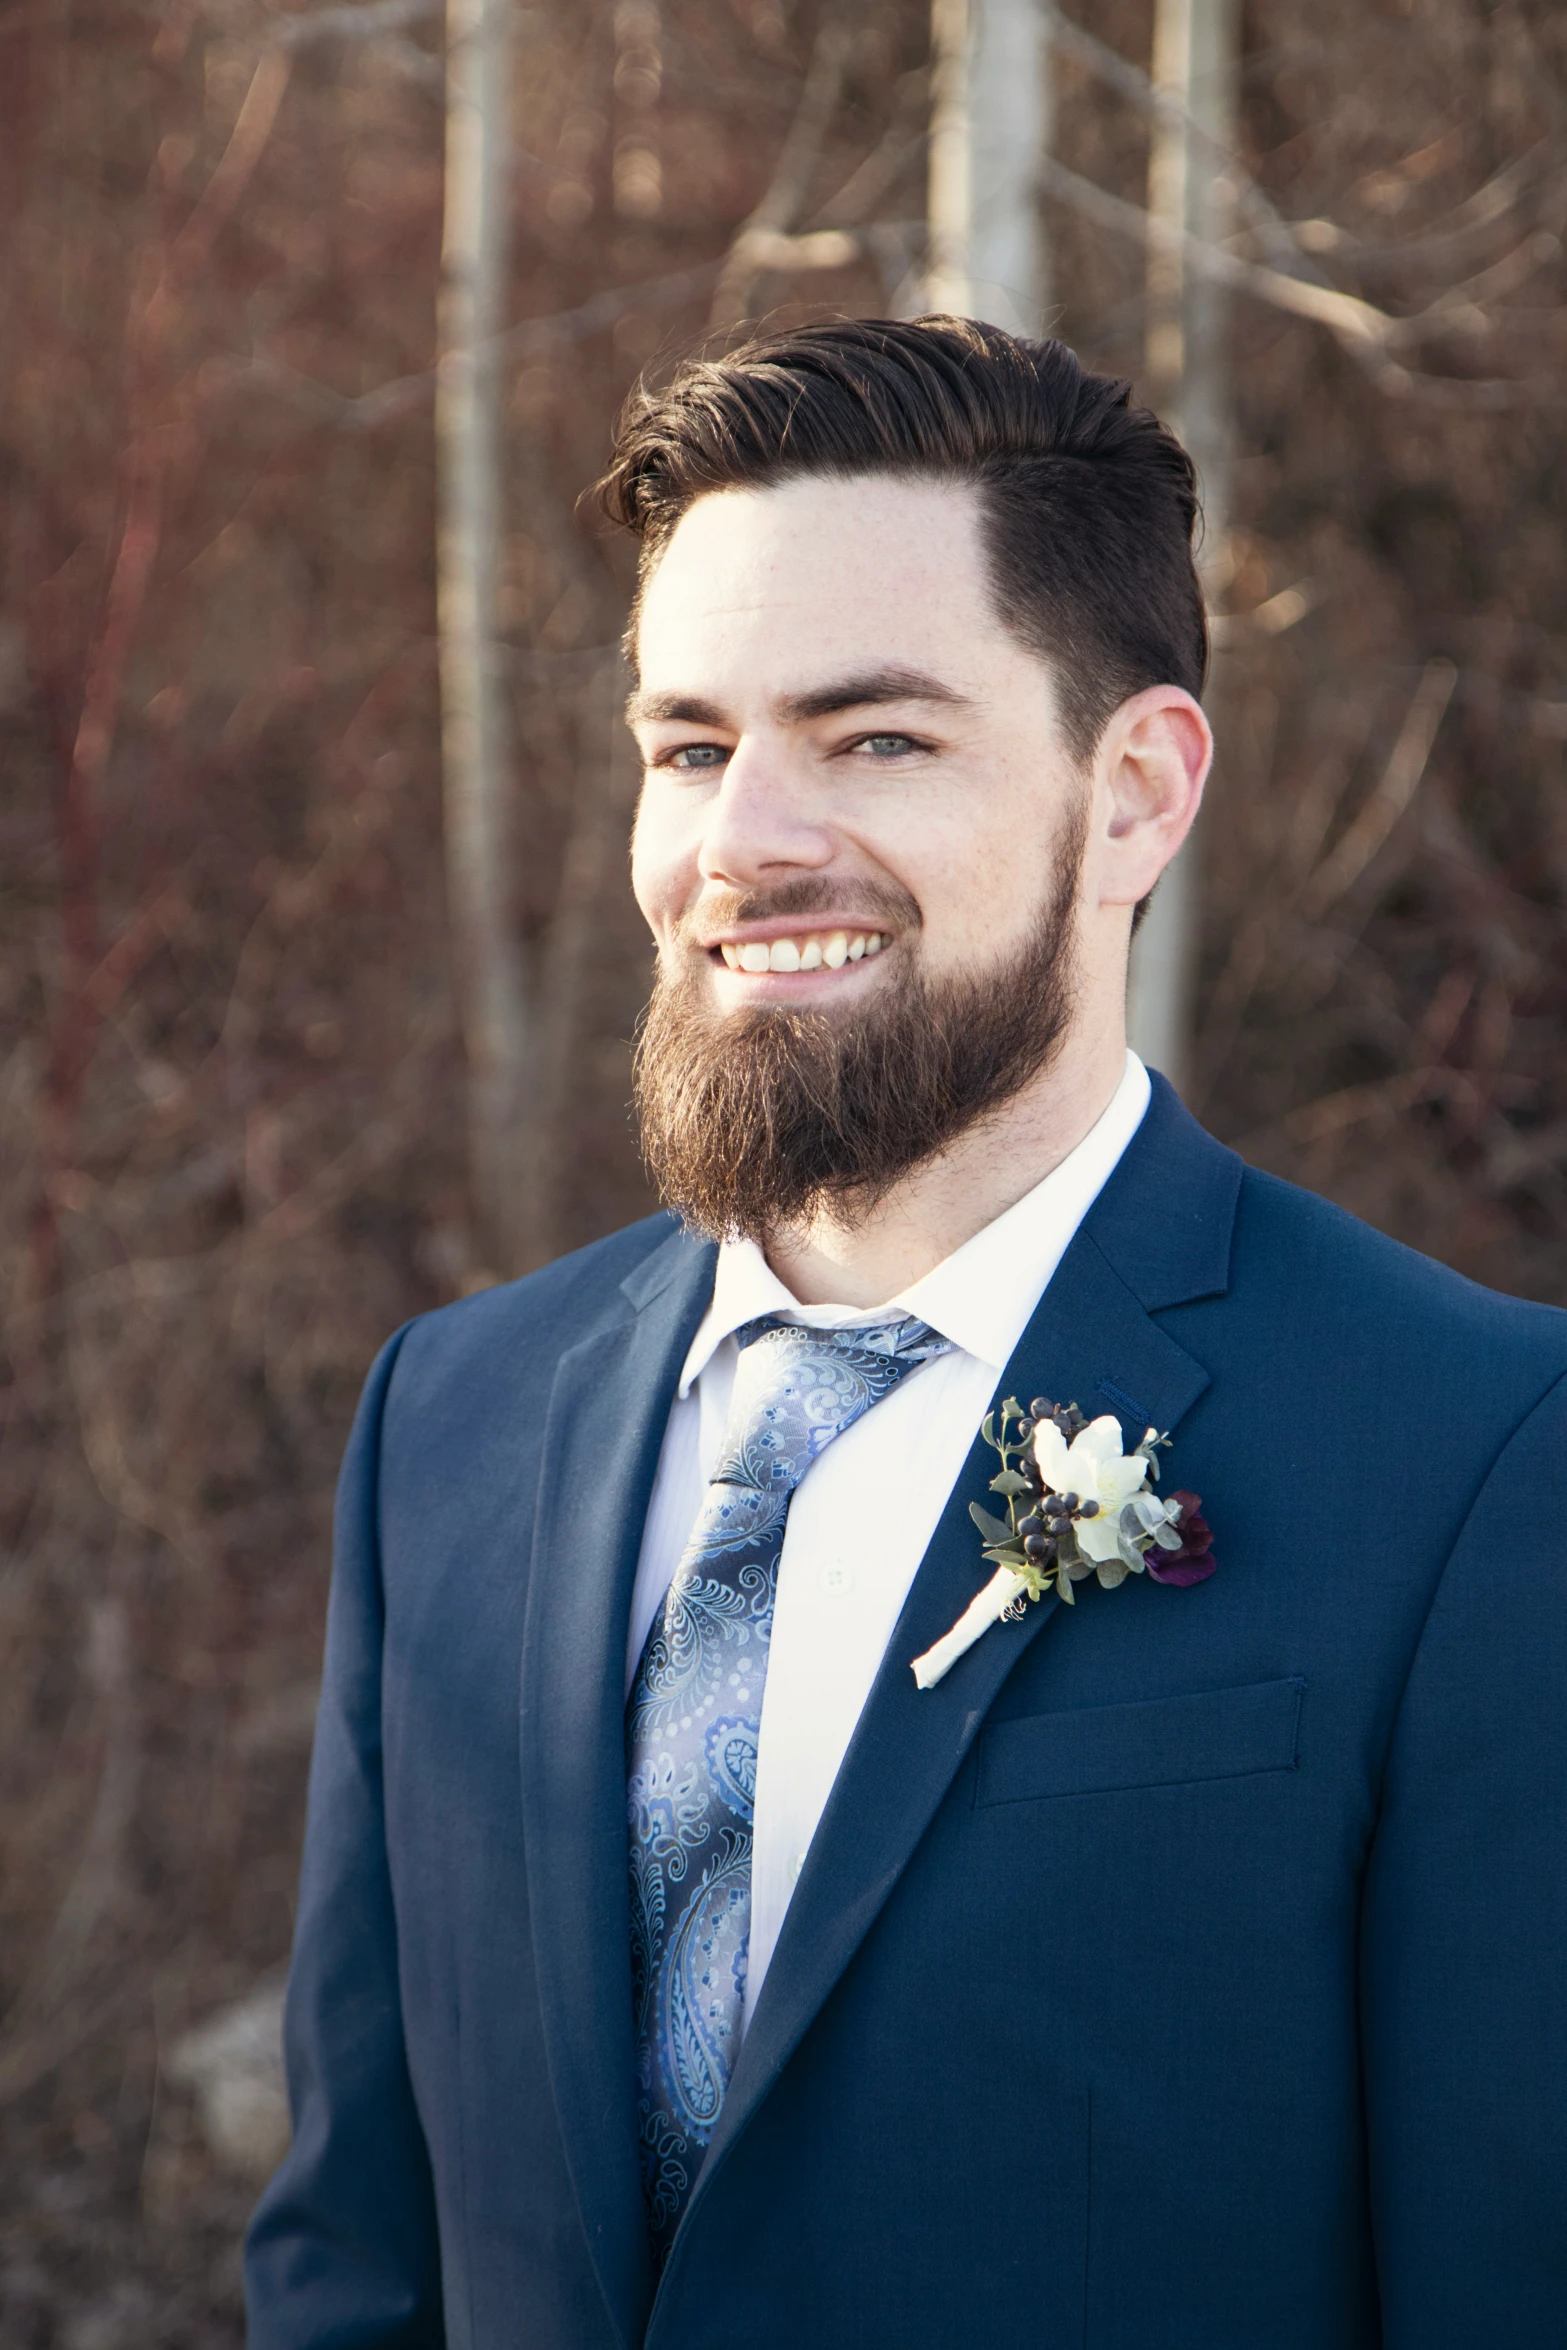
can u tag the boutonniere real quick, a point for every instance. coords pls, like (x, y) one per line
(1076, 1506)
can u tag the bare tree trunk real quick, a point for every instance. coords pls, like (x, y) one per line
(476, 751)
(989, 129)
(1195, 62)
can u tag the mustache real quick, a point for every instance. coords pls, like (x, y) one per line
(808, 893)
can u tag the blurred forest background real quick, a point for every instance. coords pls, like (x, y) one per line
(232, 1096)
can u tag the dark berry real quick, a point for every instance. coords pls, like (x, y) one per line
(1032, 1524)
(1041, 1409)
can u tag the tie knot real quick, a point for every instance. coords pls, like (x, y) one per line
(903, 1336)
(797, 1388)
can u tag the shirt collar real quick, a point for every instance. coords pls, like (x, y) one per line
(982, 1296)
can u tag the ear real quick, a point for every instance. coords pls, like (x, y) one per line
(1153, 760)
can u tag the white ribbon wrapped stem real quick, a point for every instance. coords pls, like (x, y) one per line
(976, 1619)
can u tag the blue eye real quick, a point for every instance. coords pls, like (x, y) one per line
(691, 756)
(886, 746)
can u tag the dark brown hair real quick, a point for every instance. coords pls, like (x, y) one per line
(1088, 503)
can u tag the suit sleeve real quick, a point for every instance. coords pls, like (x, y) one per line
(342, 2253)
(1464, 2002)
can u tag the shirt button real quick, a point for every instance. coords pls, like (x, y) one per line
(837, 1580)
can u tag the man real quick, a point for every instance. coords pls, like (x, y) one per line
(1181, 1967)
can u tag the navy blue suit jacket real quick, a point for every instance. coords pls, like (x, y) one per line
(1185, 1972)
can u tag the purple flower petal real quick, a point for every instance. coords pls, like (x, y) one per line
(1194, 1562)
(1175, 1567)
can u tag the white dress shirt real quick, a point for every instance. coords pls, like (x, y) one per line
(864, 1513)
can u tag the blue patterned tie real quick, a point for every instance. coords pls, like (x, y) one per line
(693, 1721)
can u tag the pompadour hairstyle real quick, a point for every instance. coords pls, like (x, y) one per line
(1088, 504)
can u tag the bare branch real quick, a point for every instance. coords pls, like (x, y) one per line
(1504, 276)
(1357, 324)
(1473, 222)
(1399, 782)
(1293, 246)
(370, 21)
(215, 205)
(780, 206)
(1129, 81)
(823, 248)
(530, 338)
(1316, 1121)
(894, 151)
(1369, 335)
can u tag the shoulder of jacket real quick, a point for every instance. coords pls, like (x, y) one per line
(1321, 1259)
(542, 1309)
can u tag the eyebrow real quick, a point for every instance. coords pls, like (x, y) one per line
(864, 690)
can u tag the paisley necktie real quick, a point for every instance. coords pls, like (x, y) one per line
(692, 1726)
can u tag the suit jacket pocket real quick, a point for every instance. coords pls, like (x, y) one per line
(1216, 1734)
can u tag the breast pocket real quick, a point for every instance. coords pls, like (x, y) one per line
(1166, 1741)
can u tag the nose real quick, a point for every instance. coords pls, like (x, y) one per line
(761, 824)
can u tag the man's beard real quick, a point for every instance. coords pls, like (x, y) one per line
(764, 1119)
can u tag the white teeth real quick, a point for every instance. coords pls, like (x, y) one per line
(815, 954)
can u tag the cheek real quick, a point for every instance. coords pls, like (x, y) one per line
(660, 879)
(981, 890)
(963, 889)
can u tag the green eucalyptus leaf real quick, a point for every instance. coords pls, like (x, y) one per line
(1010, 1482)
(1064, 1586)
(987, 1429)
(995, 1530)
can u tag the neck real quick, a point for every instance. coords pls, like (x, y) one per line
(864, 1260)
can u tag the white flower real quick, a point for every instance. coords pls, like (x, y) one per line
(1093, 1467)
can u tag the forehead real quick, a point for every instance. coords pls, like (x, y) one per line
(818, 572)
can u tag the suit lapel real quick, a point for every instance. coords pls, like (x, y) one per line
(606, 1421)
(1091, 1341)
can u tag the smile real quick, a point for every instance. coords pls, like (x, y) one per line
(823, 950)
